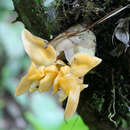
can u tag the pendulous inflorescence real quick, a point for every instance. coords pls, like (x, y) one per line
(48, 70)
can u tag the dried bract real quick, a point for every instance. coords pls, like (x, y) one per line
(82, 42)
(122, 32)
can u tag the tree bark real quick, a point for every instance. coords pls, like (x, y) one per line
(108, 91)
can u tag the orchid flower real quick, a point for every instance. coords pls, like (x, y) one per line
(47, 71)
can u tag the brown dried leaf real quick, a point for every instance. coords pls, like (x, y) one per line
(81, 42)
(122, 32)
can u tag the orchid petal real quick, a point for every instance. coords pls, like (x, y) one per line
(65, 70)
(81, 63)
(23, 86)
(50, 74)
(62, 96)
(68, 82)
(34, 47)
(46, 82)
(35, 73)
(72, 102)
(56, 85)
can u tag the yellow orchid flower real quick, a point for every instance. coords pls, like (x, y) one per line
(41, 57)
(68, 80)
(38, 78)
(71, 86)
(46, 71)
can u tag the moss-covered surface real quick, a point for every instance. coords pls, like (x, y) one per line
(105, 104)
(107, 99)
(51, 18)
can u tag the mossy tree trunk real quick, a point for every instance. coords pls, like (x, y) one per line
(105, 104)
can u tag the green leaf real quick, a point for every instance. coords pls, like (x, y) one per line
(31, 118)
(74, 123)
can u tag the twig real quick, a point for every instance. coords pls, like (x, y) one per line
(111, 14)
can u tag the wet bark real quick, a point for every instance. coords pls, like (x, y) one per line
(108, 91)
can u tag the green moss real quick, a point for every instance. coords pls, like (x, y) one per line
(97, 102)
